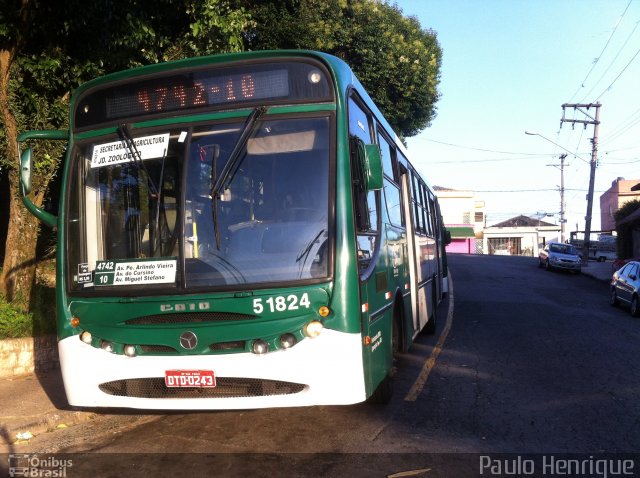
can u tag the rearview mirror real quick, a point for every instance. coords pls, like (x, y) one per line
(447, 237)
(25, 171)
(373, 167)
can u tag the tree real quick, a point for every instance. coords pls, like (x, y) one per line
(49, 48)
(397, 61)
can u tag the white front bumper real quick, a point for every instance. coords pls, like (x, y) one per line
(329, 365)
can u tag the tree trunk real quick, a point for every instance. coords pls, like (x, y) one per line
(18, 272)
(19, 268)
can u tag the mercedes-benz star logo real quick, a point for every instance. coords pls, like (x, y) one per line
(188, 340)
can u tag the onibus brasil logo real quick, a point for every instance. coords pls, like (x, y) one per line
(35, 466)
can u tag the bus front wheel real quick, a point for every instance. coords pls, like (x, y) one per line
(383, 392)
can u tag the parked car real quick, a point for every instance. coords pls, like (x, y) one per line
(625, 285)
(557, 255)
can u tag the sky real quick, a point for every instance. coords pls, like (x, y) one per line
(508, 67)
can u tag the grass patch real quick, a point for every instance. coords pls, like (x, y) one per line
(41, 320)
(43, 310)
(14, 323)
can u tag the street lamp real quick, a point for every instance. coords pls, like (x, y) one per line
(535, 133)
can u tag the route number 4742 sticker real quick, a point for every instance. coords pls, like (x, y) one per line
(281, 303)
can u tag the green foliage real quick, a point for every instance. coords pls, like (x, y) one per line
(49, 48)
(40, 321)
(626, 210)
(215, 27)
(68, 42)
(397, 61)
(13, 322)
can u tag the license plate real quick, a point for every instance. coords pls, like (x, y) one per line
(189, 379)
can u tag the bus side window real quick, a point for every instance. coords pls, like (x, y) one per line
(391, 188)
(366, 203)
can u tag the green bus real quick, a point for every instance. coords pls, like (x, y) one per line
(237, 231)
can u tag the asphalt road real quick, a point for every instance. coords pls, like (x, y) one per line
(533, 362)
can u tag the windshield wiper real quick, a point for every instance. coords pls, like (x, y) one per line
(230, 168)
(158, 229)
(233, 163)
(306, 250)
(127, 139)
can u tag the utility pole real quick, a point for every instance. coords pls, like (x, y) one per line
(595, 121)
(563, 221)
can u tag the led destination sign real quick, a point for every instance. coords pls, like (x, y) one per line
(200, 92)
(200, 89)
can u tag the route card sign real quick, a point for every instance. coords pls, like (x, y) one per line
(116, 152)
(127, 272)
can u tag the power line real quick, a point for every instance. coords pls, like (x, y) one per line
(481, 149)
(623, 126)
(617, 134)
(603, 50)
(612, 61)
(487, 160)
(619, 75)
(530, 190)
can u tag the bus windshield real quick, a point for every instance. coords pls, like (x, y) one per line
(162, 208)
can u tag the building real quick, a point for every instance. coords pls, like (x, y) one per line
(621, 191)
(519, 236)
(464, 217)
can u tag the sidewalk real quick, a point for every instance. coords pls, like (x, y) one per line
(599, 270)
(35, 404)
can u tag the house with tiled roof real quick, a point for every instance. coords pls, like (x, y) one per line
(519, 236)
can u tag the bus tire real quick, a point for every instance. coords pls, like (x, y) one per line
(398, 338)
(383, 393)
(430, 326)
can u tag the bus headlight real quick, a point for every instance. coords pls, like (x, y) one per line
(129, 350)
(313, 328)
(259, 347)
(287, 341)
(86, 337)
(106, 346)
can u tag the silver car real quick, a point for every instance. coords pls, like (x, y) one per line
(557, 255)
(624, 287)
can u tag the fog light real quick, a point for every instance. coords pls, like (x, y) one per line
(106, 346)
(287, 341)
(260, 347)
(130, 350)
(86, 337)
(313, 328)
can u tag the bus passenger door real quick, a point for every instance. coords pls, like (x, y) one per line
(418, 298)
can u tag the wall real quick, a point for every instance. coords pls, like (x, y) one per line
(614, 198)
(25, 356)
(461, 246)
